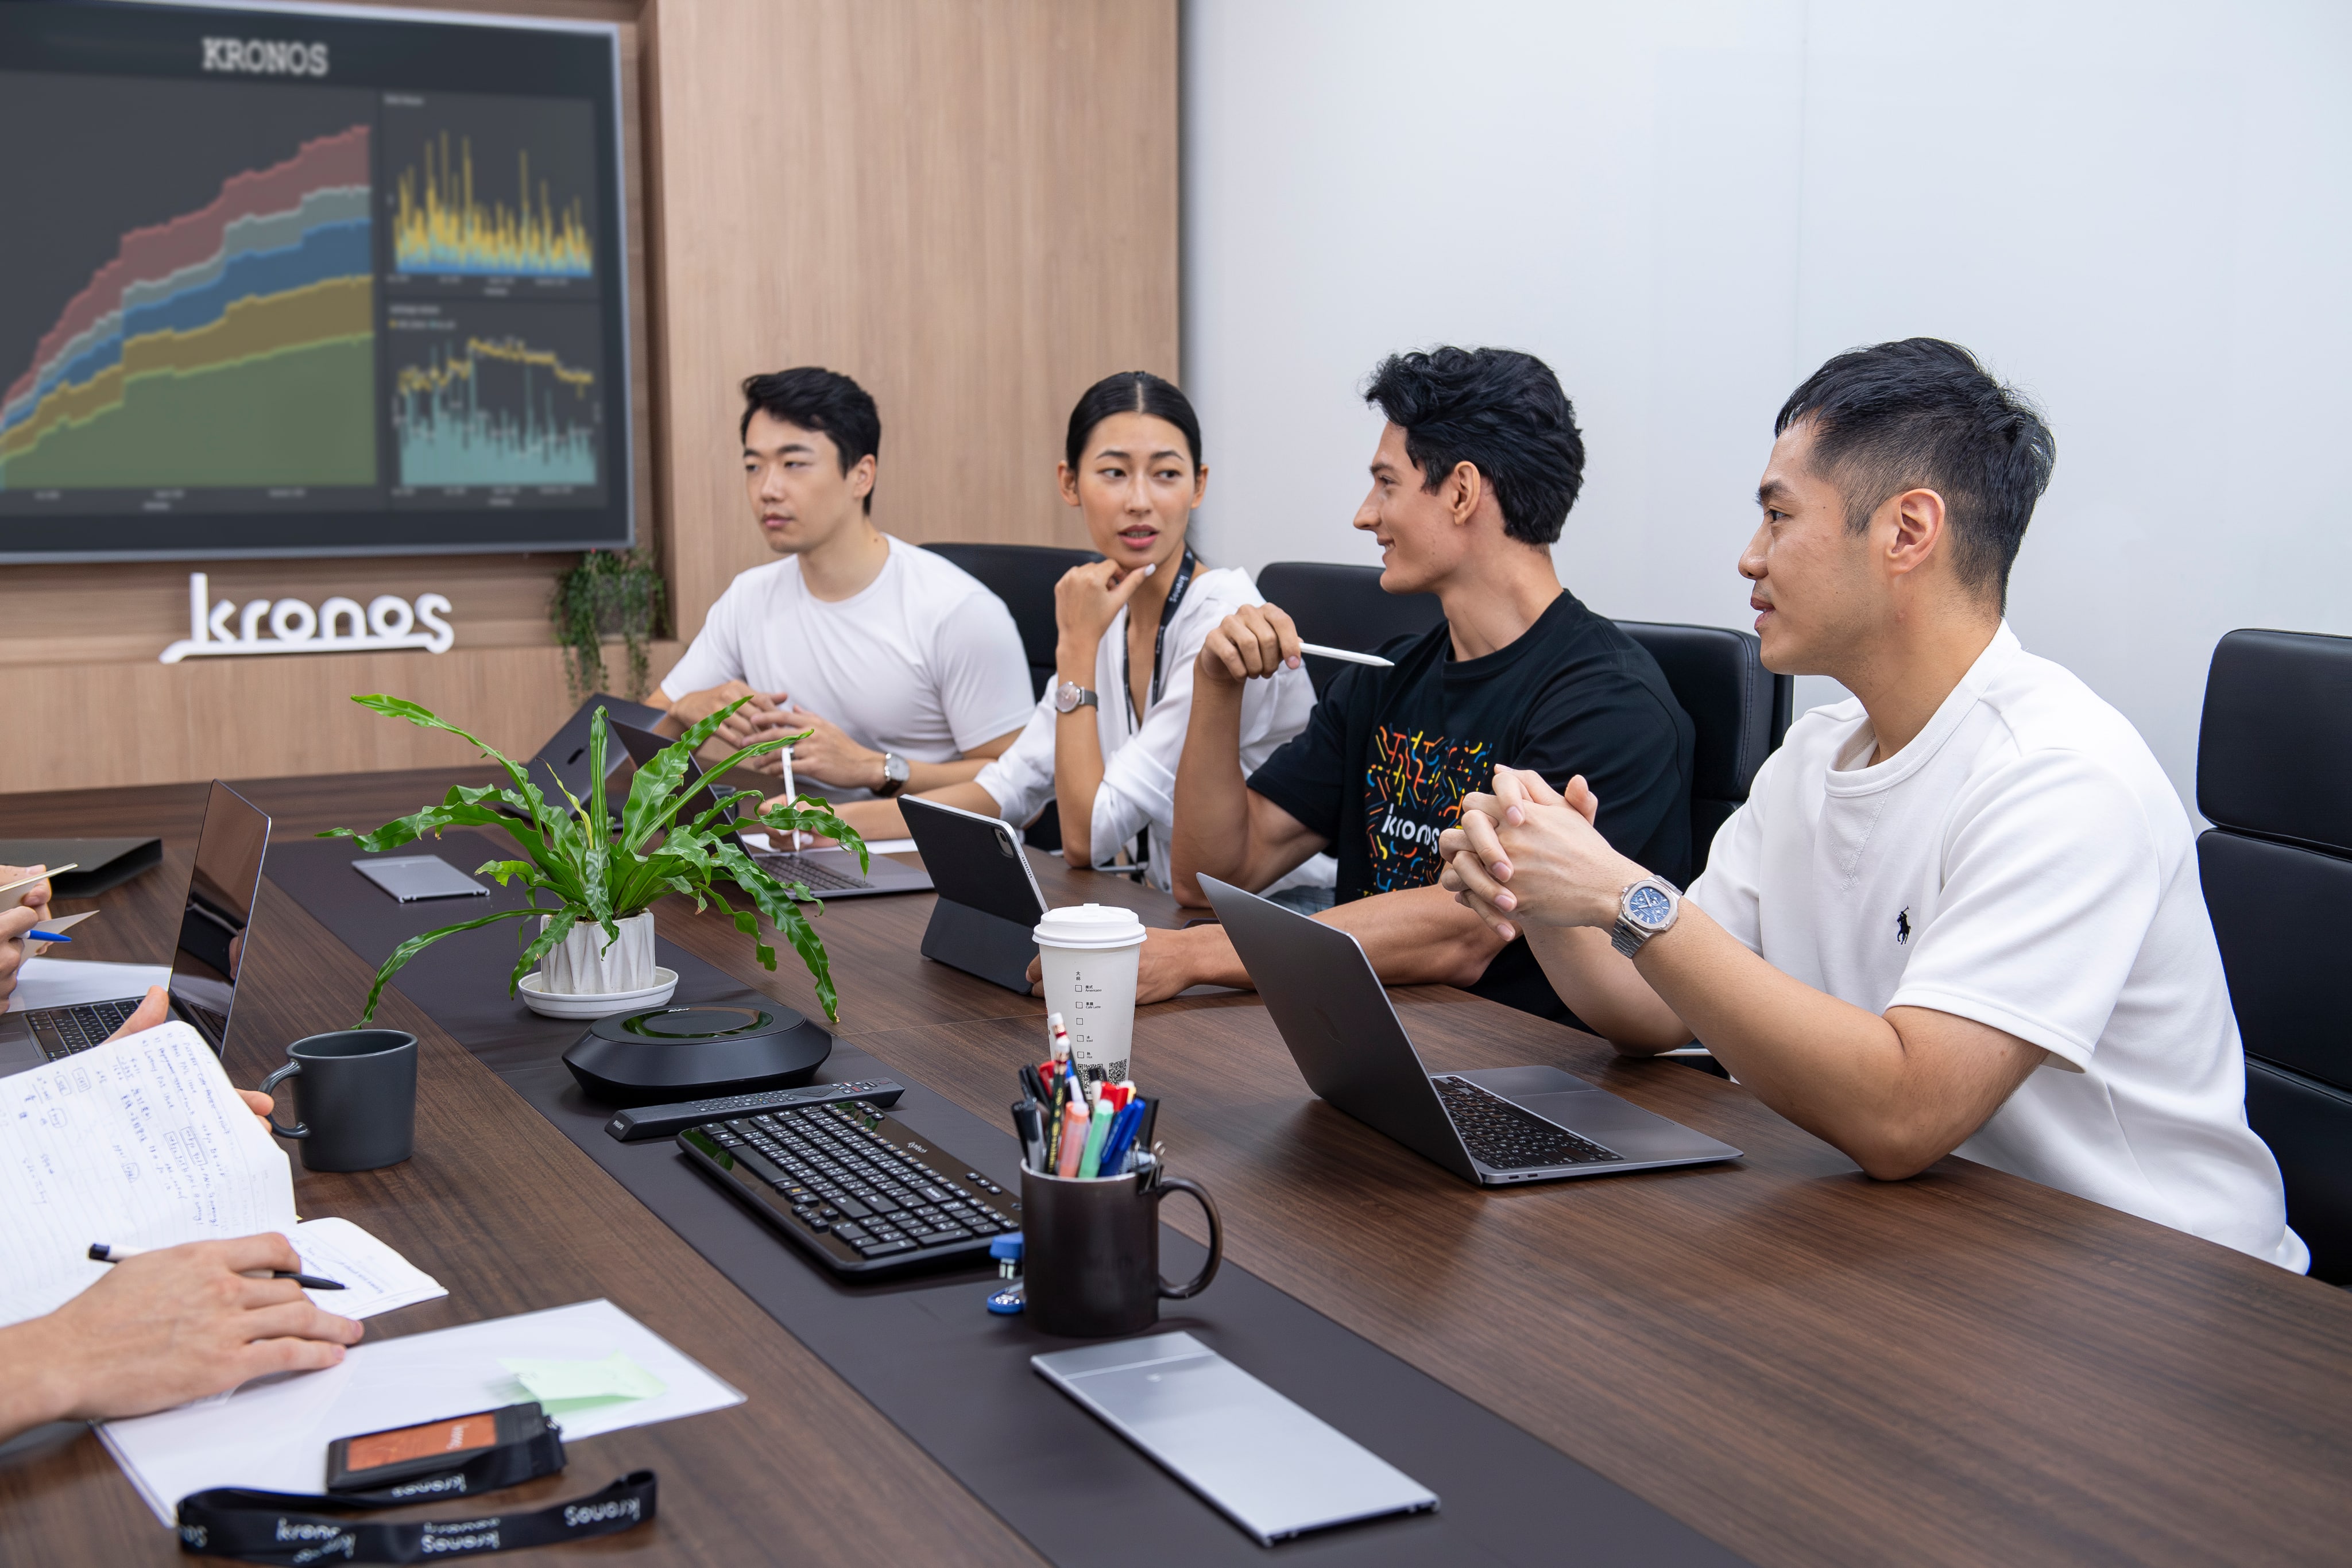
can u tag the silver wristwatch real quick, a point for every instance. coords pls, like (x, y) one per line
(1643, 910)
(895, 772)
(1070, 696)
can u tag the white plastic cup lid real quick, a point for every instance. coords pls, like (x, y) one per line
(1089, 926)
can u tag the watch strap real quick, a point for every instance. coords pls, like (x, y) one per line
(892, 783)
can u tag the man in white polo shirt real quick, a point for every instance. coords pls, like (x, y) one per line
(906, 668)
(1958, 914)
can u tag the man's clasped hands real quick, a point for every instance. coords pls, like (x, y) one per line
(1527, 851)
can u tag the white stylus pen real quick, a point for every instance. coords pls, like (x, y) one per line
(790, 796)
(1347, 655)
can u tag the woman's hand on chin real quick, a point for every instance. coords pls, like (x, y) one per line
(1088, 599)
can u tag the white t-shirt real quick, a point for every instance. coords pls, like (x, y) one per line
(2023, 862)
(924, 662)
(1139, 787)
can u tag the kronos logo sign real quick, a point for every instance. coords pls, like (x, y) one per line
(265, 57)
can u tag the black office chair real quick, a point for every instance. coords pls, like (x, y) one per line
(2273, 755)
(1343, 607)
(1739, 709)
(1024, 576)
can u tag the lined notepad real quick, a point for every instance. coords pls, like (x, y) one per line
(141, 1141)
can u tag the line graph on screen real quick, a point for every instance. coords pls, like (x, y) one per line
(495, 410)
(230, 345)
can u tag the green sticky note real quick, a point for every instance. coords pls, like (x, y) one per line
(569, 1382)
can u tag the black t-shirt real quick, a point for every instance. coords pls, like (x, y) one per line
(1386, 756)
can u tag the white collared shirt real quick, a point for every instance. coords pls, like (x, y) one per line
(1139, 787)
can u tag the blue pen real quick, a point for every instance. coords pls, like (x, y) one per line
(1122, 1132)
(45, 937)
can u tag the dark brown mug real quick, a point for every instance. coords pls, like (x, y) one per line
(1090, 1252)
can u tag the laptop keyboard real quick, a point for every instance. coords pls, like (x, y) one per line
(65, 1031)
(1509, 1137)
(816, 874)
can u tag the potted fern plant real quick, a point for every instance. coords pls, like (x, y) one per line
(600, 881)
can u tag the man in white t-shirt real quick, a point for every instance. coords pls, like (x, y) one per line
(906, 669)
(1958, 914)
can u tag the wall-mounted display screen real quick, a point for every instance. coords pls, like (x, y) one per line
(293, 282)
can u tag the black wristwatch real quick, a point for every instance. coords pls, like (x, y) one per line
(893, 776)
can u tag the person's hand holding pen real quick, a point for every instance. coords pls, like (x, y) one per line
(163, 1328)
(30, 908)
(1253, 644)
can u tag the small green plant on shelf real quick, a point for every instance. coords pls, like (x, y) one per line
(607, 593)
(594, 871)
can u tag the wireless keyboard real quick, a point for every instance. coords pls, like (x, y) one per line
(856, 1189)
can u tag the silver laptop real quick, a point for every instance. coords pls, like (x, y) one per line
(214, 918)
(828, 873)
(1495, 1126)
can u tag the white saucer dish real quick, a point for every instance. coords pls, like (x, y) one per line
(550, 1004)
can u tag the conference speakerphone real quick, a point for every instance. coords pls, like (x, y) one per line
(649, 1122)
(734, 1047)
(859, 1191)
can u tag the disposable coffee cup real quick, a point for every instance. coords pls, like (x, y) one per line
(1089, 953)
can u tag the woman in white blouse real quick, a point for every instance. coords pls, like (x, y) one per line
(1109, 731)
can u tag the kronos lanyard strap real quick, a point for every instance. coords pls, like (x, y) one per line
(1158, 643)
(297, 1530)
(1158, 674)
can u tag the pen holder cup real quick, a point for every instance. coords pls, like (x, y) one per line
(355, 1098)
(1091, 1253)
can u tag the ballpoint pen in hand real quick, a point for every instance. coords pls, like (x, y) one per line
(99, 1252)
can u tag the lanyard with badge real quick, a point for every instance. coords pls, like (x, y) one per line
(1159, 675)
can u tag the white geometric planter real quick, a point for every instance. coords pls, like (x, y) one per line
(581, 966)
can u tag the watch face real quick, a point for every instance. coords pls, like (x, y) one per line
(1649, 905)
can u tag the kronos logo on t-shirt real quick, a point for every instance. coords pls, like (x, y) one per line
(1413, 785)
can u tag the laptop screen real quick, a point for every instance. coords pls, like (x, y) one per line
(221, 892)
(643, 745)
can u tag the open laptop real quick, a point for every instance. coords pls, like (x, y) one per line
(828, 873)
(985, 921)
(214, 914)
(1497, 1126)
(564, 760)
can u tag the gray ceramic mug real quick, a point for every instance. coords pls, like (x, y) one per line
(355, 1098)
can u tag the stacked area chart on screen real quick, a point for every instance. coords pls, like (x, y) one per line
(222, 341)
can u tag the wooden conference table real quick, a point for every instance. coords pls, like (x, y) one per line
(1809, 1367)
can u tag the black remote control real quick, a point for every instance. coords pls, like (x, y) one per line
(644, 1121)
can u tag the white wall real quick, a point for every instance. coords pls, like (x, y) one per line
(2141, 212)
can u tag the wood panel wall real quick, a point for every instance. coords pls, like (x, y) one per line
(971, 205)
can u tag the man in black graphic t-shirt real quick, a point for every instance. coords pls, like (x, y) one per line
(1473, 479)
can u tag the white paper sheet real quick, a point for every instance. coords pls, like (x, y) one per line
(272, 1433)
(766, 844)
(141, 1141)
(69, 982)
(374, 1278)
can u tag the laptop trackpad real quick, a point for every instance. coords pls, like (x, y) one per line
(1523, 1083)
